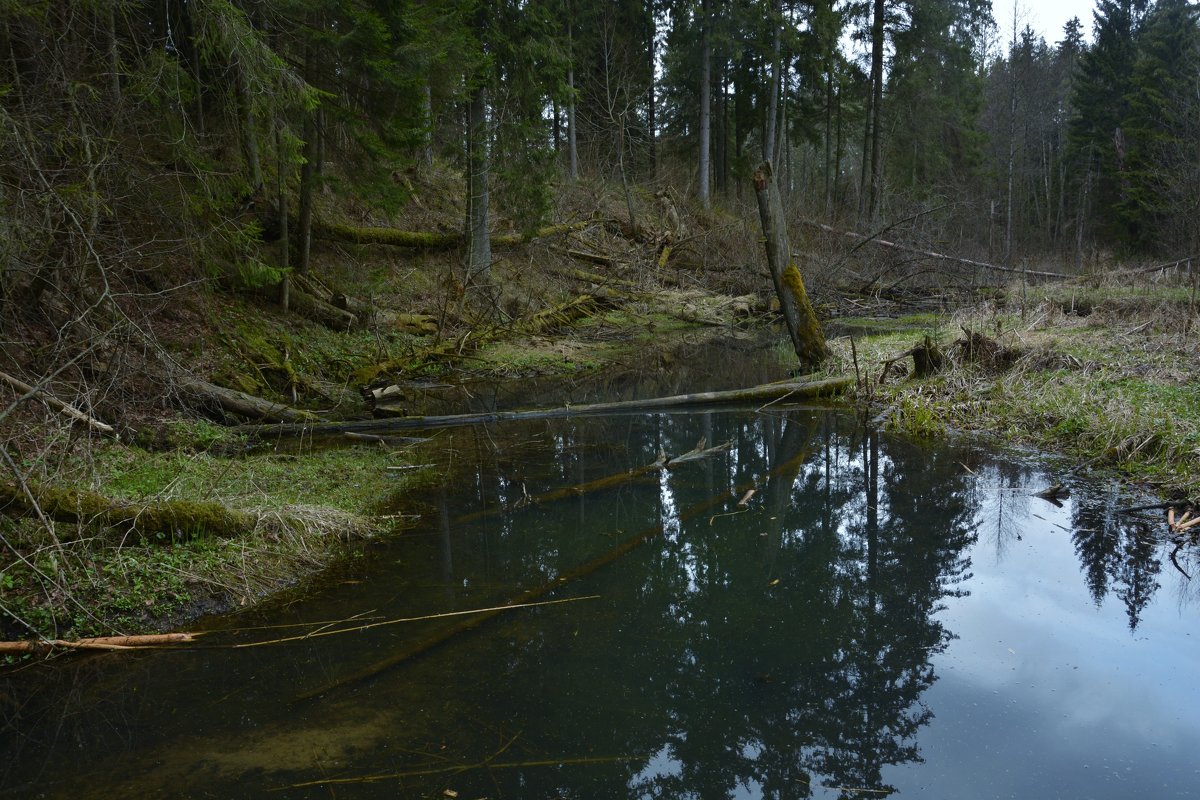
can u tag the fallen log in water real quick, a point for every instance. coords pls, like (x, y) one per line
(663, 462)
(785, 391)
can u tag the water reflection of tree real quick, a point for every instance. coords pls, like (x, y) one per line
(821, 672)
(1117, 552)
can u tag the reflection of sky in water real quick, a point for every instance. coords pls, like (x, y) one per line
(1042, 676)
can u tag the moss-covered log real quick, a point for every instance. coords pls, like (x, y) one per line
(244, 405)
(431, 240)
(318, 310)
(167, 521)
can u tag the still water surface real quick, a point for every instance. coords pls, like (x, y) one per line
(880, 617)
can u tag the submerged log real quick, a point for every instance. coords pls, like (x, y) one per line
(786, 391)
(663, 462)
(244, 405)
(166, 521)
(807, 337)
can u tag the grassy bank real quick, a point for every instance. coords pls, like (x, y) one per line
(305, 509)
(1104, 377)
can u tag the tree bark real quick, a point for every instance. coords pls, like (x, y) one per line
(304, 213)
(776, 65)
(572, 142)
(284, 243)
(479, 248)
(807, 338)
(876, 110)
(705, 111)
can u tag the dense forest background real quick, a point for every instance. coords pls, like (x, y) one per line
(161, 141)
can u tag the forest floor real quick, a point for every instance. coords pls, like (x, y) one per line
(1097, 370)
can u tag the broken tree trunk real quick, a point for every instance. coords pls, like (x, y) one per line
(807, 338)
(166, 521)
(242, 404)
(786, 391)
(318, 310)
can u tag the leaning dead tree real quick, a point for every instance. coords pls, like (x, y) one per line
(806, 334)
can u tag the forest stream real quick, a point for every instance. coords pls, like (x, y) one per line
(815, 610)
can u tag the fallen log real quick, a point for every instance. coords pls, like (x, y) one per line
(312, 307)
(244, 405)
(433, 240)
(929, 253)
(786, 391)
(66, 408)
(166, 521)
(98, 643)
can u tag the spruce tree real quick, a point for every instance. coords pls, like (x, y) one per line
(1158, 208)
(1098, 132)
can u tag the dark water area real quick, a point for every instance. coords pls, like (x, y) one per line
(694, 362)
(879, 617)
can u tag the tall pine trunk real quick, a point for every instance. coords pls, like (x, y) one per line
(479, 245)
(307, 174)
(776, 65)
(705, 110)
(876, 110)
(572, 143)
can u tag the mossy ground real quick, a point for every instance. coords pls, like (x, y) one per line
(309, 507)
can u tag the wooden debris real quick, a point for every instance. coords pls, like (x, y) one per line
(97, 643)
(66, 408)
(433, 240)
(1054, 493)
(929, 253)
(242, 404)
(783, 392)
(927, 357)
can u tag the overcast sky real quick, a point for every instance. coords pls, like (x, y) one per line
(1047, 17)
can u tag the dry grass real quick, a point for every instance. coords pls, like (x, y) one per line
(1113, 389)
